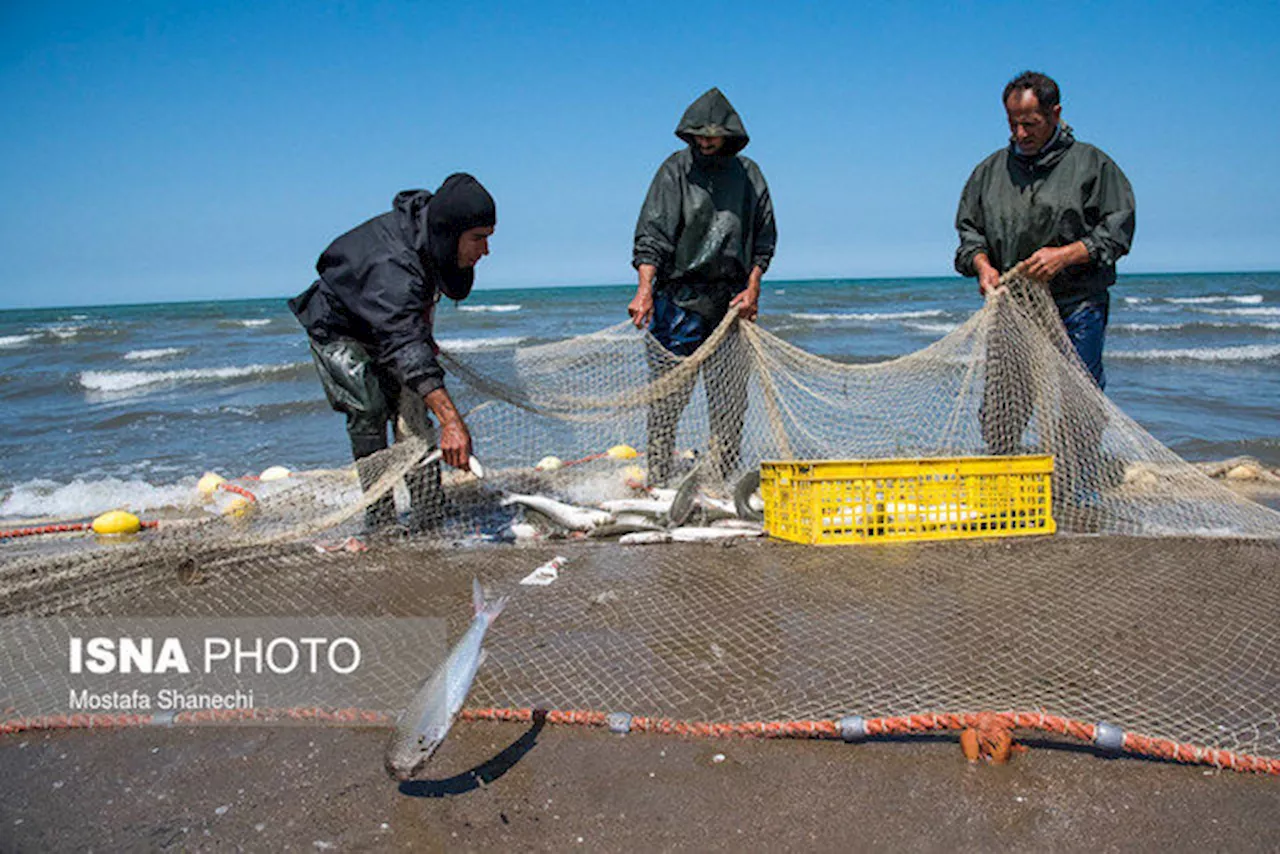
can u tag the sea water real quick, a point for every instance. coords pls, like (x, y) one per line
(129, 405)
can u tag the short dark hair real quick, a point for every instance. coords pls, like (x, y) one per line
(1041, 85)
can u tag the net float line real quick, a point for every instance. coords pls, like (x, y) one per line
(58, 528)
(858, 729)
(849, 729)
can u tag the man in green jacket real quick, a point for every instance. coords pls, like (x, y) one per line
(703, 241)
(1061, 209)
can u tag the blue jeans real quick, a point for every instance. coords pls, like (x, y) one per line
(1006, 400)
(1086, 325)
(724, 374)
(679, 330)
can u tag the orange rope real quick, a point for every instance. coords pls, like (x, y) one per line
(238, 490)
(1137, 745)
(60, 528)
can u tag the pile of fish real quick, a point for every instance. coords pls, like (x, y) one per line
(657, 516)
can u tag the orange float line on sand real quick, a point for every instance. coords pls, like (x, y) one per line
(238, 490)
(1134, 744)
(59, 528)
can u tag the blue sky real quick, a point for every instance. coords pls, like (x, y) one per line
(174, 151)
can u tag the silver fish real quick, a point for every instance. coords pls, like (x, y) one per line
(706, 535)
(644, 506)
(424, 724)
(564, 515)
(644, 538)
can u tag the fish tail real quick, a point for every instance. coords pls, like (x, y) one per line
(489, 609)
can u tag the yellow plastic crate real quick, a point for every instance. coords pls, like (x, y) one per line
(833, 502)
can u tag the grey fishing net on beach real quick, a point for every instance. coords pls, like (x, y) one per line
(1161, 620)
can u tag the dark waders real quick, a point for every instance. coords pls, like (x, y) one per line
(681, 331)
(370, 399)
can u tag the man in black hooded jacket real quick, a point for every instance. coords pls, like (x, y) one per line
(369, 317)
(703, 241)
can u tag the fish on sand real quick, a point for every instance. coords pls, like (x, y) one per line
(425, 723)
(564, 515)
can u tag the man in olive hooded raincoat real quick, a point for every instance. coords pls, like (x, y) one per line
(1063, 211)
(703, 241)
(370, 321)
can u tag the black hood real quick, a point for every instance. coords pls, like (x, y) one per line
(439, 219)
(712, 115)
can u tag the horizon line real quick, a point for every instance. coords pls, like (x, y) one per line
(478, 288)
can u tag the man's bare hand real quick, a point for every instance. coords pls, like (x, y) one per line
(455, 438)
(1048, 262)
(988, 281)
(641, 308)
(988, 275)
(747, 302)
(455, 443)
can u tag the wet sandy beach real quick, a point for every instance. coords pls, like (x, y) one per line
(758, 630)
(500, 786)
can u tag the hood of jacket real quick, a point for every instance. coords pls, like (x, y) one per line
(1047, 157)
(712, 115)
(434, 221)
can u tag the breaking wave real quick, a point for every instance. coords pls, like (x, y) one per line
(82, 498)
(1246, 299)
(8, 341)
(1245, 312)
(146, 355)
(1189, 325)
(121, 381)
(941, 328)
(497, 308)
(869, 316)
(1239, 299)
(1252, 353)
(251, 323)
(467, 345)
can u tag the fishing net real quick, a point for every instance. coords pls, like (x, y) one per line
(1159, 621)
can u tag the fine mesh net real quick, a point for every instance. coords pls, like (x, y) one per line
(1163, 625)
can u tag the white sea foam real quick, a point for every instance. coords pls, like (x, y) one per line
(1137, 300)
(1146, 327)
(1169, 327)
(467, 345)
(15, 340)
(497, 308)
(609, 335)
(64, 332)
(1251, 353)
(1273, 311)
(943, 328)
(252, 322)
(161, 353)
(868, 317)
(81, 498)
(121, 381)
(1244, 299)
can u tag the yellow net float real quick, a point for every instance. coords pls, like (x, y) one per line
(623, 452)
(238, 507)
(117, 522)
(209, 483)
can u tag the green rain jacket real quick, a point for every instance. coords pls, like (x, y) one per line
(1014, 205)
(707, 221)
